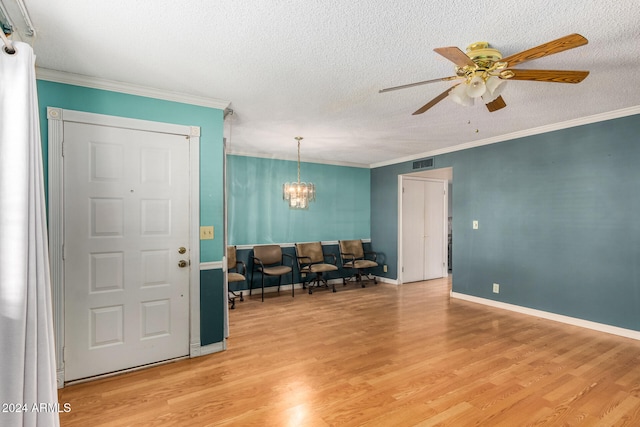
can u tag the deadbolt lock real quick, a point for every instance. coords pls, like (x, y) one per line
(182, 250)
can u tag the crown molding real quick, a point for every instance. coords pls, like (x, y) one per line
(294, 159)
(130, 89)
(515, 135)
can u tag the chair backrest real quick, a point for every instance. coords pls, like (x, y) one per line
(353, 247)
(268, 254)
(231, 257)
(312, 251)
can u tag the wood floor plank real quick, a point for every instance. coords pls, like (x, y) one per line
(381, 355)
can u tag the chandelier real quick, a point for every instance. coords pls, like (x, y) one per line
(299, 194)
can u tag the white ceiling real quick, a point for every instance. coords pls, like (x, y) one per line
(313, 68)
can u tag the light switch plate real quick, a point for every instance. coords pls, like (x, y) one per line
(206, 232)
(475, 225)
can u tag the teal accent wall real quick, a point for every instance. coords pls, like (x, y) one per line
(557, 220)
(210, 121)
(257, 214)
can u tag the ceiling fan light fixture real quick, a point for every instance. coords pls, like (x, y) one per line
(476, 87)
(459, 95)
(495, 86)
(482, 68)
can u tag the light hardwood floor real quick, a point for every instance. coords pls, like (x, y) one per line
(384, 355)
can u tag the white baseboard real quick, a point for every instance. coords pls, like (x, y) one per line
(274, 288)
(60, 378)
(601, 327)
(212, 348)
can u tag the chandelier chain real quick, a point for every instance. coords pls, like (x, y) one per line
(298, 138)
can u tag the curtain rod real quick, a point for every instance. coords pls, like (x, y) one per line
(8, 46)
(7, 27)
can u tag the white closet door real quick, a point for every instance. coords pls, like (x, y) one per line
(423, 229)
(434, 230)
(413, 231)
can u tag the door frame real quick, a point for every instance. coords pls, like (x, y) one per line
(433, 175)
(55, 119)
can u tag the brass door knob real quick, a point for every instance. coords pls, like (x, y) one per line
(182, 263)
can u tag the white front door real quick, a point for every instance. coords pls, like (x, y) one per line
(423, 229)
(126, 222)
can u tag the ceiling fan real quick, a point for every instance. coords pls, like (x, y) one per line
(484, 72)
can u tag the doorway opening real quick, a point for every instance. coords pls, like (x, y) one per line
(425, 231)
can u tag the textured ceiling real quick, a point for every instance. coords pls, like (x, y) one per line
(313, 68)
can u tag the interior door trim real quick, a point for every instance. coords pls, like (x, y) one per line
(55, 119)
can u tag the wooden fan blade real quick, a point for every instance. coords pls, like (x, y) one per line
(555, 46)
(496, 104)
(434, 101)
(443, 79)
(553, 76)
(455, 55)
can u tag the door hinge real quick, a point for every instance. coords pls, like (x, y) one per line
(62, 154)
(64, 354)
(63, 257)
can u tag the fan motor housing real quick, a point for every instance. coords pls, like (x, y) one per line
(483, 55)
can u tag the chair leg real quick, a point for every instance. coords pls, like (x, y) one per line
(293, 288)
(262, 286)
(354, 276)
(333, 285)
(367, 276)
(251, 283)
(311, 282)
(232, 295)
(320, 280)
